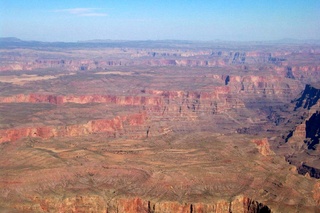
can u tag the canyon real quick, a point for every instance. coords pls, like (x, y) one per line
(159, 126)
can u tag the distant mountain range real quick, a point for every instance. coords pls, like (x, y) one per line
(13, 42)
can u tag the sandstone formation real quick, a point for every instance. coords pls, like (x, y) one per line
(263, 146)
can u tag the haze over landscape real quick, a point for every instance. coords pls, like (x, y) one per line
(76, 20)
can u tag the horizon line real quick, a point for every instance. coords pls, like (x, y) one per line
(16, 39)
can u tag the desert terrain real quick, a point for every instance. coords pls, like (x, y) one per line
(159, 126)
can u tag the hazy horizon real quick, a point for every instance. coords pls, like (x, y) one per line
(72, 21)
(283, 40)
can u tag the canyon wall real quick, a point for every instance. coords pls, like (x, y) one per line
(110, 126)
(284, 63)
(304, 137)
(97, 204)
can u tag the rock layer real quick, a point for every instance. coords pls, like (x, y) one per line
(137, 205)
(95, 126)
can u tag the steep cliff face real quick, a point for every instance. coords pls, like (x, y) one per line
(32, 98)
(308, 130)
(111, 126)
(219, 99)
(236, 93)
(309, 97)
(304, 169)
(84, 203)
(313, 130)
(239, 204)
(266, 87)
(303, 138)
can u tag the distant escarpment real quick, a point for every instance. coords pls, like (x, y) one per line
(284, 63)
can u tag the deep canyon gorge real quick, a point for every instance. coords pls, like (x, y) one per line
(159, 126)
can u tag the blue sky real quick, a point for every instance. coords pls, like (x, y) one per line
(242, 20)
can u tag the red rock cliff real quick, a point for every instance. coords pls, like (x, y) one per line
(94, 126)
(79, 203)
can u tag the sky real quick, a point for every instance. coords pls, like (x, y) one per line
(200, 20)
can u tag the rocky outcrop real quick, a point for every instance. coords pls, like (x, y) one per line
(299, 133)
(263, 146)
(309, 97)
(305, 169)
(313, 131)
